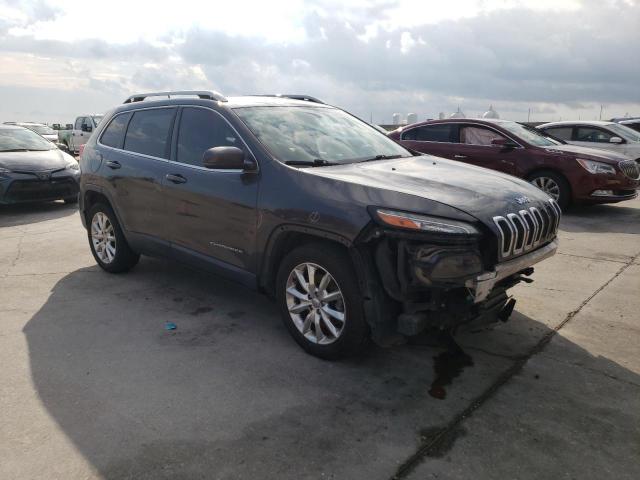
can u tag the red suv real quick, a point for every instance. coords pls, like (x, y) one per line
(567, 173)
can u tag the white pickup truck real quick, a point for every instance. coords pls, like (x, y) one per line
(80, 133)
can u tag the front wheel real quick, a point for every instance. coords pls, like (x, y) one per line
(554, 185)
(320, 301)
(108, 244)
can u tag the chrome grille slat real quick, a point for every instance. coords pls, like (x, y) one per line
(528, 228)
(630, 169)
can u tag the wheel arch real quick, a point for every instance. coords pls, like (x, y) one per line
(555, 171)
(285, 238)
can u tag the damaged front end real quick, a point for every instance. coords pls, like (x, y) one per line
(439, 273)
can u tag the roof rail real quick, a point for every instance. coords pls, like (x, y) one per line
(306, 98)
(206, 95)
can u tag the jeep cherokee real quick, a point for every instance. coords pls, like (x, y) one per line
(354, 235)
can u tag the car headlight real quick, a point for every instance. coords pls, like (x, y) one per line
(592, 166)
(73, 166)
(414, 221)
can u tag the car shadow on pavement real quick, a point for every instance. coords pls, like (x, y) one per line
(228, 394)
(601, 219)
(29, 213)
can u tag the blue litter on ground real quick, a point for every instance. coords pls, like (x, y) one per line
(170, 326)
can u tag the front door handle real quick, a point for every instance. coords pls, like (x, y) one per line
(459, 156)
(113, 165)
(175, 178)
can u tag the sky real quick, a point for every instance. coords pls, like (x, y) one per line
(541, 60)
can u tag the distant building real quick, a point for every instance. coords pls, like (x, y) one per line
(411, 118)
(458, 114)
(396, 119)
(491, 113)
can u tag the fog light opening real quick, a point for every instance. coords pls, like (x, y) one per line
(602, 193)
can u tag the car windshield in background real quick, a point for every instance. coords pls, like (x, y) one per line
(97, 119)
(530, 136)
(22, 139)
(315, 135)
(42, 129)
(624, 132)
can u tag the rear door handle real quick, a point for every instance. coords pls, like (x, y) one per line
(459, 156)
(112, 164)
(175, 178)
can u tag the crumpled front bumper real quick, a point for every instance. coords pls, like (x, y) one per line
(481, 285)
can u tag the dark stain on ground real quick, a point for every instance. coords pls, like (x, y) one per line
(201, 310)
(177, 299)
(447, 366)
(441, 440)
(236, 314)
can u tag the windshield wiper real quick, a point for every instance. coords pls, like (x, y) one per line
(317, 162)
(380, 157)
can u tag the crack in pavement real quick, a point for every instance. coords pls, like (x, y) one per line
(592, 258)
(433, 443)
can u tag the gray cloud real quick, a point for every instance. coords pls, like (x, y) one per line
(514, 58)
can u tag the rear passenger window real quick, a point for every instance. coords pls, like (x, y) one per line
(148, 132)
(563, 133)
(429, 133)
(113, 135)
(78, 123)
(200, 130)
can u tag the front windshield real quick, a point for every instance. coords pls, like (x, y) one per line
(96, 119)
(22, 139)
(532, 137)
(624, 132)
(317, 134)
(42, 129)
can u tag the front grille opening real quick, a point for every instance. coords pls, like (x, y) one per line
(536, 213)
(507, 236)
(520, 232)
(546, 222)
(532, 228)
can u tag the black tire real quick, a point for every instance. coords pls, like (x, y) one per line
(124, 258)
(564, 198)
(355, 332)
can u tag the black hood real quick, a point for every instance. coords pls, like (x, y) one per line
(53, 159)
(477, 191)
(587, 153)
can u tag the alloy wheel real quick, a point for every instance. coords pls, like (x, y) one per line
(548, 186)
(103, 237)
(315, 303)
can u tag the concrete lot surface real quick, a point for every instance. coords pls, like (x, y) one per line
(93, 386)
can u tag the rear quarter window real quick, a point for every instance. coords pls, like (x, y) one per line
(113, 135)
(148, 132)
(563, 133)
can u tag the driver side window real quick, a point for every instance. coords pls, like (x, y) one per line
(590, 134)
(200, 130)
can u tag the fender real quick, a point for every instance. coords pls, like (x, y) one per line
(266, 268)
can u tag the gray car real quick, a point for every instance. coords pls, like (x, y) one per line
(33, 169)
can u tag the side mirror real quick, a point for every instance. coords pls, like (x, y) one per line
(63, 147)
(227, 158)
(503, 142)
(615, 140)
(86, 128)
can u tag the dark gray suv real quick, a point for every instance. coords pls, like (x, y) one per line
(356, 236)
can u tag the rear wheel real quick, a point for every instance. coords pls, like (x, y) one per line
(554, 185)
(320, 301)
(107, 242)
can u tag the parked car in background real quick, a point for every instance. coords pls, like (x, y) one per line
(354, 235)
(42, 129)
(611, 136)
(633, 122)
(567, 173)
(33, 169)
(80, 133)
